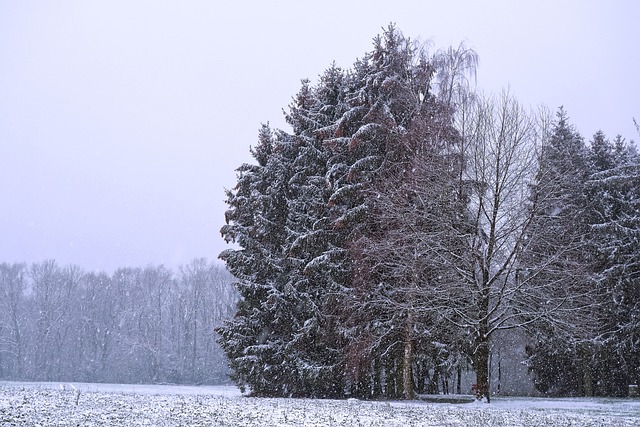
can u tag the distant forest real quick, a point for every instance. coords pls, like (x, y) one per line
(406, 219)
(137, 325)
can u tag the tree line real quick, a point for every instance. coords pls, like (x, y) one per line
(407, 218)
(137, 325)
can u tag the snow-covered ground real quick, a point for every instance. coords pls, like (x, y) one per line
(78, 404)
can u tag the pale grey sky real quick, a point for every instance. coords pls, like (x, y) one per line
(122, 121)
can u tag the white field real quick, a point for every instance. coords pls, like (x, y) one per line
(80, 404)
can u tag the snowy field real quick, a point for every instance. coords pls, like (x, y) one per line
(64, 404)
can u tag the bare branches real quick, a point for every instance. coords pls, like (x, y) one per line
(455, 70)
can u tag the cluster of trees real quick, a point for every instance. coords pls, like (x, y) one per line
(136, 325)
(595, 208)
(406, 219)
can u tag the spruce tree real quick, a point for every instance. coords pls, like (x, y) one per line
(283, 340)
(614, 187)
(255, 340)
(300, 214)
(316, 345)
(558, 251)
(393, 126)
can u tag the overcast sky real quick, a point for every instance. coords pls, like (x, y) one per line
(121, 122)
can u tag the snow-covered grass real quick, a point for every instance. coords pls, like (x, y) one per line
(47, 404)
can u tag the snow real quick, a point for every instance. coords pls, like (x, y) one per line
(71, 404)
(141, 389)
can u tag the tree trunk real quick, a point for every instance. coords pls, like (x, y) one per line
(407, 362)
(434, 384)
(481, 362)
(499, 374)
(391, 380)
(377, 378)
(18, 346)
(587, 378)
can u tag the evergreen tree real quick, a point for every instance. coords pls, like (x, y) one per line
(300, 215)
(255, 340)
(558, 251)
(279, 217)
(316, 345)
(357, 235)
(392, 128)
(614, 188)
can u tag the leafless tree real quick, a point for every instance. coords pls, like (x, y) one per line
(502, 141)
(416, 206)
(413, 219)
(501, 164)
(54, 289)
(450, 232)
(203, 300)
(455, 71)
(12, 288)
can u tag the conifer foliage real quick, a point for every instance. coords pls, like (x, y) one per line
(595, 211)
(559, 254)
(614, 186)
(381, 243)
(311, 322)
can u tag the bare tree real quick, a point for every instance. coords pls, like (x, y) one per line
(54, 289)
(501, 163)
(501, 142)
(415, 205)
(450, 230)
(204, 298)
(400, 269)
(12, 288)
(455, 68)
(155, 283)
(100, 310)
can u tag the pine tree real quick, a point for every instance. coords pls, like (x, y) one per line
(393, 123)
(316, 346)
(378, 243)
(300, 215)
(559, 252)
(614, 187)
(283, 341)
(255, 339)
